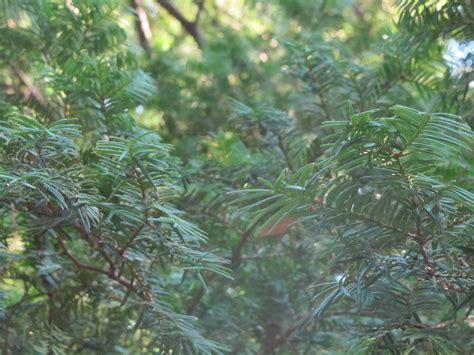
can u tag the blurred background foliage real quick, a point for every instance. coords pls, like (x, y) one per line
(240, 88)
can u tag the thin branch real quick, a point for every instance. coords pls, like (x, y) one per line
(200, 5)
(197, 297)
(235, 259)
(130, 241)
(285, 335)
(417, 236)
(322, 99)
(146, 295)
(76, 262)
(281, 145)
(96, 245)
(142, 25)
(362, 19)
(147, 213)
(439, 325)
(32, 91)
(237, 253)
(191, 27)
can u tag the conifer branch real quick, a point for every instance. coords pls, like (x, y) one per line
(191, 27)
(146, 295)
(33, 92)
(235, 259)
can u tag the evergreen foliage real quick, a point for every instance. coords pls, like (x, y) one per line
(398, 230)
(90, 199)
(319, 198)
